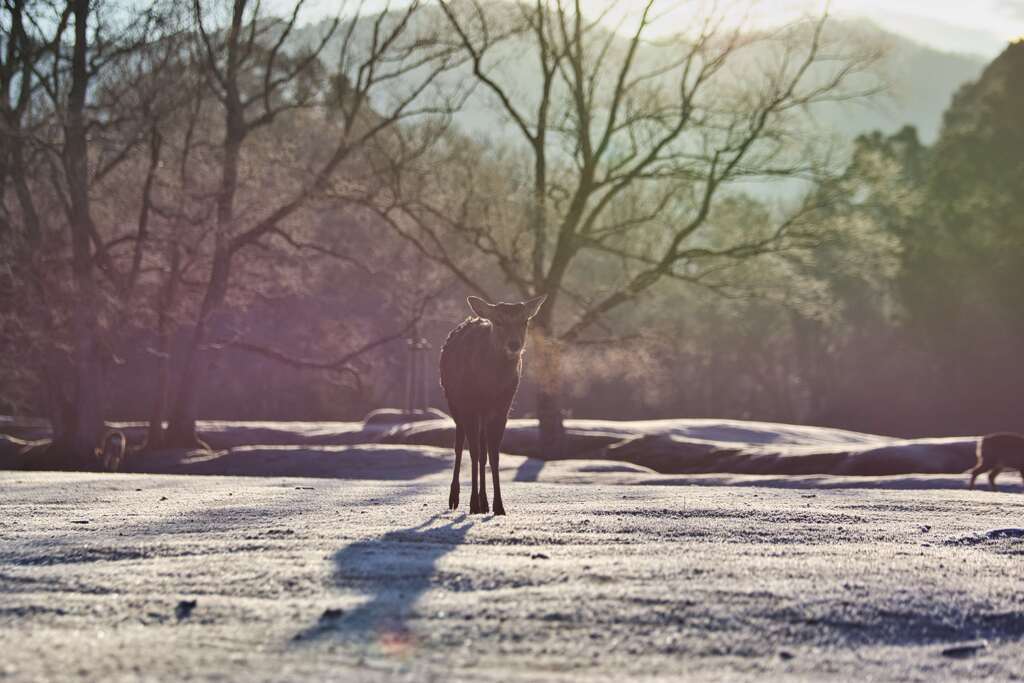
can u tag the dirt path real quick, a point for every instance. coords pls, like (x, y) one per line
(297, 578)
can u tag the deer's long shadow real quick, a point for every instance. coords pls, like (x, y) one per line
(395, 570)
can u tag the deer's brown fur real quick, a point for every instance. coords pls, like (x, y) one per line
(997, 452)
(481, 363)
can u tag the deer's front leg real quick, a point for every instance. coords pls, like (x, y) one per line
(495, 432)
(482, 496)
(473, 434)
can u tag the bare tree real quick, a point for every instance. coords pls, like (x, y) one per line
(27, 50)
(71, 116)
(256, 77)
(632, 141)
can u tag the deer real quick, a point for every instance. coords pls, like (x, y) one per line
(110, 454)
(997, 452)
(481, 364)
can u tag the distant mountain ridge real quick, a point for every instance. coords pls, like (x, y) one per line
(921, 83)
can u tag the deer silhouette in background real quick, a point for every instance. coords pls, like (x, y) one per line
(997, 452)
(481, 363)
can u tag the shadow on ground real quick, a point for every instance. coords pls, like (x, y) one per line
(529, 470)
(895, 483)
(364, 461)
(395, 570)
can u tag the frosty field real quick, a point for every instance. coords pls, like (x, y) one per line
(597, 573)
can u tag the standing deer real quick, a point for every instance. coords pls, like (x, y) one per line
(481, 363)
(110, 454)
(997, 452)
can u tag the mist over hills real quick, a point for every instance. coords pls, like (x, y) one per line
(938, 34)
(919, 81)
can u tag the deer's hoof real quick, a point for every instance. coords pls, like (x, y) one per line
(483, 506)
(499, 509)
(453, 499)
(474, 505)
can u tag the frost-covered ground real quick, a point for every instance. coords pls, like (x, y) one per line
(598, 572)
(737, 446)
(682, 446)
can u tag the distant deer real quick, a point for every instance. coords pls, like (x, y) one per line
(481, 363)
(997, 452)
(110, 453)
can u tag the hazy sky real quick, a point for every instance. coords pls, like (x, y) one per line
(980, 26)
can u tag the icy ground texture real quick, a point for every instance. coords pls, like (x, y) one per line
(590, 577)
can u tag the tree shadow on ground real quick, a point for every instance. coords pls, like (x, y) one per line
(360, 462)
(894, 482)
(395, 570)
(529, 470)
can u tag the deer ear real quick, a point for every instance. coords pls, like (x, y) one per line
(480, 307)
(533, 305)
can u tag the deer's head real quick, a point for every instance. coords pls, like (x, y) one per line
(508, 322)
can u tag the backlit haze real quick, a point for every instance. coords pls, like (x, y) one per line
(981, 27)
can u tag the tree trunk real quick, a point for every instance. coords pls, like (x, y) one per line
(552, 429)
(181, 429)
(155, 435)
(83, 425)
(549, 388)
(155, 432)
(84, 428)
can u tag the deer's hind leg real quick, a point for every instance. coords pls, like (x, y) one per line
(483, 467)
(992, 477)
(460, 438)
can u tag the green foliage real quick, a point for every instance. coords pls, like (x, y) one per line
(971, 232)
